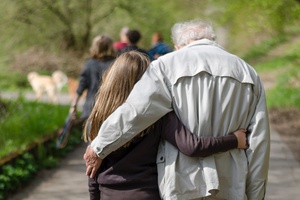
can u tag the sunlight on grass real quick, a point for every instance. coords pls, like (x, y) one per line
(277, 63)
(285, 71)
(264, 47)
(28, 122)
(283, 97)
(286, 93)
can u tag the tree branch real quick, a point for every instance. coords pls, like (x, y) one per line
(55, 10)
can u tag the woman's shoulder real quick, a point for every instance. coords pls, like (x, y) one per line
(91, 61)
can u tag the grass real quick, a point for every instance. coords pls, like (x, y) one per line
(283, 97)
(25, 122)
(263, 48)
(285, 93)
(12, 81)
(277, 63)
(286, 73)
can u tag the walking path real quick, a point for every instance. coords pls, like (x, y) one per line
(68, 181)
(63, 98)
(284, 172)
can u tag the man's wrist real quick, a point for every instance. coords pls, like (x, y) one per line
(97, 150)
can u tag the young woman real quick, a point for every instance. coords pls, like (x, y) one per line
(130, 172)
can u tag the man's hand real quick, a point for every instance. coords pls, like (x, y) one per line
(92, 162)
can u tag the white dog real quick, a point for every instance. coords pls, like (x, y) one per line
(49, 84)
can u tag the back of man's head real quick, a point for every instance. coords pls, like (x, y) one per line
(133, 36)
(186, 32)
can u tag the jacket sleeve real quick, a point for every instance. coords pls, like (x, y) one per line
(258, 153)
(83, 80)
(149, 100)
(190, 144)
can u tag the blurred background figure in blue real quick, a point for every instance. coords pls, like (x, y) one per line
(158, 47)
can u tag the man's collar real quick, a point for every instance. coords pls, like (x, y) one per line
(203, 42)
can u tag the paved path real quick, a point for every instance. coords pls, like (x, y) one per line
(69, 182)
(63, 98)
(284, 173)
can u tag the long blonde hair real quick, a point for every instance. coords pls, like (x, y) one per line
(117, 83)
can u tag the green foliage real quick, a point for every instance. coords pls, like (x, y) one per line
(277, 63)
(20, 171)
(70, 25)
(282, 97)
(54, 34)
(285, 94)
(28, 122)
(61, 27)
(12, 81)
(13, 175)
(284, 69)
(248, 23)
(260, 16)
(264, 47)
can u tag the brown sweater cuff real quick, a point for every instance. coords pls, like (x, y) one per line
(230, 141)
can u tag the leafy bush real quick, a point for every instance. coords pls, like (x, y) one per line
(13, 175)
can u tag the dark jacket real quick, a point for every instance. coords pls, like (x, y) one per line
(134, 48)
(90, 79)
(159, 49)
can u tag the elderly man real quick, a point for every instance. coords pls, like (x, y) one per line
(211, 91)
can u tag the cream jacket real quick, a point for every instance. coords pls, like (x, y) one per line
(213, 93)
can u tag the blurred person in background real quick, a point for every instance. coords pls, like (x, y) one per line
(119, 45)
(102, 56)
(158, 47)
(133, 37)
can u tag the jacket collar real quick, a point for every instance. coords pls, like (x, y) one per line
(203, 42)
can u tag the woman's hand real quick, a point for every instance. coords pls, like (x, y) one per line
(241, 138)
(72, 112)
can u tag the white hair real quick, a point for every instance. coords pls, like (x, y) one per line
(185, 32)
